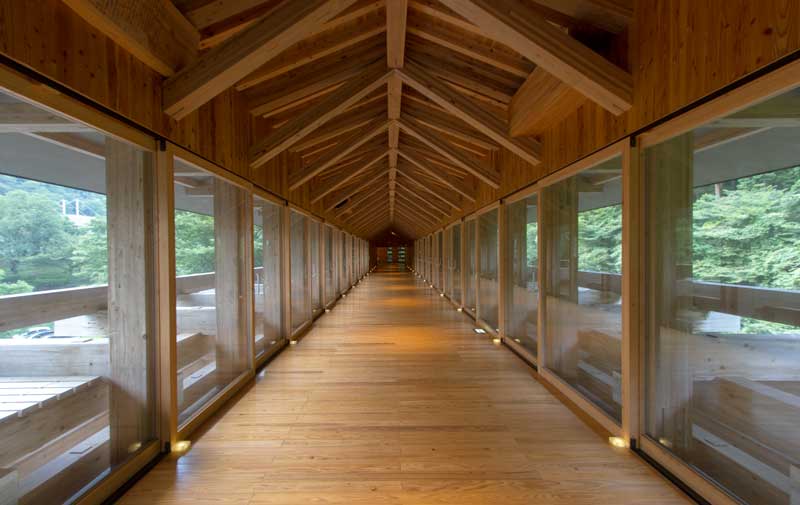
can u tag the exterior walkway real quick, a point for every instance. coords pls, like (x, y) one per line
(393, 399)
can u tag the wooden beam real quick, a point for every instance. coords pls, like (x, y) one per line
(396, 12)
(425, 209)
(311, 119)
(154, 31)
(513, 23)
(331, 158)
(344, 178)
(335, 42)
(444, 124)
(21, 117)
(72, 142)
(415, 76)
(412, 127)
(432, 203)
(368, 181)
(414, 213)
(301, 86)
(344, 123)
(222, 66)
(436, 194)
(541, 102)
(419, 162)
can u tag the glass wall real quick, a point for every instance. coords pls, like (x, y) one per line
(522, 283)
(211, 317)
(470, 267)
(447, 237)
(488, 287)
(315, 257)
(440, 260)
(267, 287)
(300, 287)
(722, 389)
(77, 329)
(455, 264)
(331, 282)
(344, 285)
(582, 226)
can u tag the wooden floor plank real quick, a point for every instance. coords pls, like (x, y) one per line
(392, 398)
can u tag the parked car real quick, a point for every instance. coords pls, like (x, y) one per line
(40, 332)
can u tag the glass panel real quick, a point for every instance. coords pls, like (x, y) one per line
(314, 254)
(582, 219)
(723, 300)
(440, 261)
(330, 266)
(212, 348)
(301, 309)
(522, 296)
(470, 266)
(267, 224)
(76, 326)
(487, 284)
(343, 284)
(455, 261)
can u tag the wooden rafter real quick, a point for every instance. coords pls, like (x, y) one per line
(412, 157)
(431, 139)
(415, 76)
(362, 187)
(346, 177)
(449, 200)
(224, 65)
(517, 25)
(346, 147)
(154, 31)
(396, 18)
(311, 119)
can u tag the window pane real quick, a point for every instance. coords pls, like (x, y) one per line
(314, 250)
(455, 261)
(582, 220)
(470, 266)
(487, 284)
(330, 266)
(723, 300)
(301, 309)
(522, 259)
(77, 336)
(212, 347)
(439, 261)
(267, 223)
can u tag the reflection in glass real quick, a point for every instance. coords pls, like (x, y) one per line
(522, 258)
(314, 257)
(77, 340)
(470, 267)
(723, 301)
(267, 224)
(582, 223)
(488, 288)
(330, 265)
(455, 263)
(212, 349)
(301, 308)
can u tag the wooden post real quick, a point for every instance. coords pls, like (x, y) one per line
(231, 346)
(129, 172)
(271, 250)
(632, 281)
(669, 198)
(286, 269)
(794, 480)
(502, 269)
(9, 486)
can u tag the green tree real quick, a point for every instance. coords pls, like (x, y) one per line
(35, 240)
(600, 239)
(194, 243)
(90, 256)
(13, 288)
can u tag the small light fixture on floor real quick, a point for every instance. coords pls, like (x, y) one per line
(517, 341)
(293, 342)
(182, 446)
(497, 341)
(665, 442)
(441, 294)
(327, 310)
(617, 441)
(460, 309)
(480, 330)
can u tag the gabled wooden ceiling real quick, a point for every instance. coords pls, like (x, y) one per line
(395, 107)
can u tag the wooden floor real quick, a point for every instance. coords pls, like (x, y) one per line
(392, 398)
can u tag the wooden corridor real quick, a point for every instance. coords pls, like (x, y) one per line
(392, 398)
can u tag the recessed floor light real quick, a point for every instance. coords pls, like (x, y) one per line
(480, 330)
(617, 441)
(497, 341)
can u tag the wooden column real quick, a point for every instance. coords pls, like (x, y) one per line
(669, 197)
(503, 299)
(131, 340)
(271, 222)
(231, 345)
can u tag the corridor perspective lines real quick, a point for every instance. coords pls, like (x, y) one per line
(392, 398)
